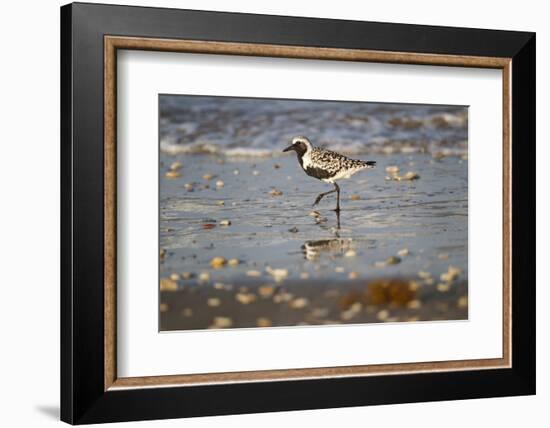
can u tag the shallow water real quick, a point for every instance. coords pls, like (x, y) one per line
(386, 258)
(427, 216)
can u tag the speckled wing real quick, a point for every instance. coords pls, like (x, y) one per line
(334, 163)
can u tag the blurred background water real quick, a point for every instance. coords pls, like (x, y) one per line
(248, 126)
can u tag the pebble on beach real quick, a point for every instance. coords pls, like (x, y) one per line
(315, 214)
(221, 286)
(403, 252)
(266, 291)
(218, 262)
(293, 229)
(411, 176)
(451, 274)
(443, 287)
(204, 276)
(187, 275)
(355, 197)
(353, 275)
(164, 307)
(424, 275)
(207, 226)
(383, 315)
(282, 297)
(354, 309)
(392, 260)
(414, 285)
(350, 253)
(245, 298)
(414, 304)
(253, 273)
(175, 276)
(275, 192)
(263, 322)
(299, 303)
(222, 322)
(172, 174)
(167, 284)
(207, 177)
(225, 223)
(220, 183)
(392, 169)
(213, 302)
(233, 262)
(175, 166)
(277, 274)
(347, 315)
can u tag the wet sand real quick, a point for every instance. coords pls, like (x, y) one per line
(241, 245)
(311, 302)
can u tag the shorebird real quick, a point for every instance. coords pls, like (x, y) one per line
(326, 165)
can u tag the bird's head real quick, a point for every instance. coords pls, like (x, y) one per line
(300, 145)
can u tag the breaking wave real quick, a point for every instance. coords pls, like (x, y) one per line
(241, 127)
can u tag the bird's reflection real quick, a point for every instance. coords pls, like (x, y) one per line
(313, 249)
(323, 222)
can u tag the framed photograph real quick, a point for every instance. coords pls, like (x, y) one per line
(265, 213)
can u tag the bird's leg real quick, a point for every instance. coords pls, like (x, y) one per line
(337, 189)
(322, 195)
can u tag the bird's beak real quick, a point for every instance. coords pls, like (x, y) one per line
(289, 148)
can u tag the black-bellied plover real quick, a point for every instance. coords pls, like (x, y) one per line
(326, 165)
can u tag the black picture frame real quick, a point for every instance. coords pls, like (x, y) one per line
(83, 398)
